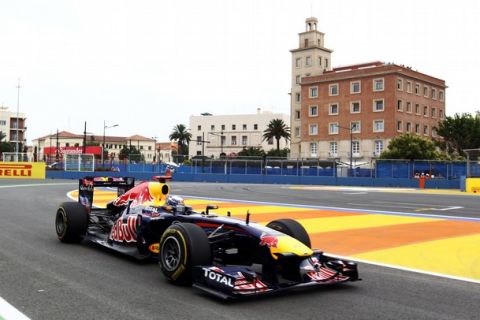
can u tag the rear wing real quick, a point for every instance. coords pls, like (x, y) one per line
(88, 184)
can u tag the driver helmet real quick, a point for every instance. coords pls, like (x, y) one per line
(174, 201)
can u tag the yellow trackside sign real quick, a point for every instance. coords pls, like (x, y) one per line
(473, 185)
(22, 170)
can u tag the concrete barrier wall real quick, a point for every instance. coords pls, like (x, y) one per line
(270, 179)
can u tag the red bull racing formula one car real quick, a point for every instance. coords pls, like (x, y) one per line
(221, 255)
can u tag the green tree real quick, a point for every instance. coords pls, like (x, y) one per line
(462, 131)
(5, 146)
(251, 152)
(278, 153)
(131, 153)
(412, 147)
(182, 136)
(277, 129)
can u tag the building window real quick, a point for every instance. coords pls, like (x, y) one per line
(297, 131)
(409, 107)
(150, 148)
(305, 42)
(440, 113)
(333, 128)
(223, 127)
(313, 92)
(399, 105)
(298, 62)
(434, 112)
(400, 84)
(378, 147)
(297, 97)
(244, 140)
(425, 91)
(441, 95)
(434, 132)
(417, 108)
(378, 105)
(313, 149)
(434, 93)
(297, 79)
(409, 127)
(326, 63)
(333, 89)
(313, 111)
(355, 87)
(356, 148)
(255, 127)
(270, 141)
(425, 130)
(425, 111)
(320, 61)
(378, 84)
(244, 126)
(234, 140)
(355, 126)
(313, 130)
(212, 127)
(399, 125)
(333, 149)
(409, 86)
(355, 107)
(417, 128)
(417, 89)
(3, 122)
(333, 109)
(234, 127)
(297, 114)
(308, 61)
(67, 144)
(199, 140)
(223, 140)
(378, 125)
(199, 128)
(199, 153)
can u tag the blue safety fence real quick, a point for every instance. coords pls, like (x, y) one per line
(434, 169)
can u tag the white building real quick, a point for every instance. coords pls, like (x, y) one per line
(311, 58)
(71, 142)
(13, 128)
(229, 134)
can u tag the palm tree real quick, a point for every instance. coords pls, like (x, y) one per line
(277, 129)
(2, 136)
(182, 136)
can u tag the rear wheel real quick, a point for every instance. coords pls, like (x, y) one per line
(292, 228)
(71, 222)
(182, 246)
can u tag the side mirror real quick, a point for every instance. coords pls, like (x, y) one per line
(211, 207)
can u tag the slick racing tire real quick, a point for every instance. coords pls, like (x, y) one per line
(71, 222)
(292, 228)
(182, 246)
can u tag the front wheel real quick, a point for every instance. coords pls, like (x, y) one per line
(71, 222)
(183, 246)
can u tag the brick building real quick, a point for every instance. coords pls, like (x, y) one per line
(362, 107)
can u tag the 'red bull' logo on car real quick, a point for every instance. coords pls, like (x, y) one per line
(269, 241)
(125, 231)
(137, 195)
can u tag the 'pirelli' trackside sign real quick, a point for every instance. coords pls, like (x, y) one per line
(22, 170)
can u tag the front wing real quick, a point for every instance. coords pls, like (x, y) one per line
(230, 282)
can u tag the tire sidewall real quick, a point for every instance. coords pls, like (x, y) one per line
(179, 271)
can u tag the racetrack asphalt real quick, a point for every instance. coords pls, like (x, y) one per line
(46, 279)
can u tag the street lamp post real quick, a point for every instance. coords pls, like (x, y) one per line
(221, 140)
(103, 145)
(351, 143)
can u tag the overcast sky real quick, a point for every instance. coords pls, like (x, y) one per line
(149, 65)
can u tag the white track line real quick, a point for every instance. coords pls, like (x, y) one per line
(9, 312)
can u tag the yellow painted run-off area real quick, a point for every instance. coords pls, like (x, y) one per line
(432, 245)
(22, 170)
